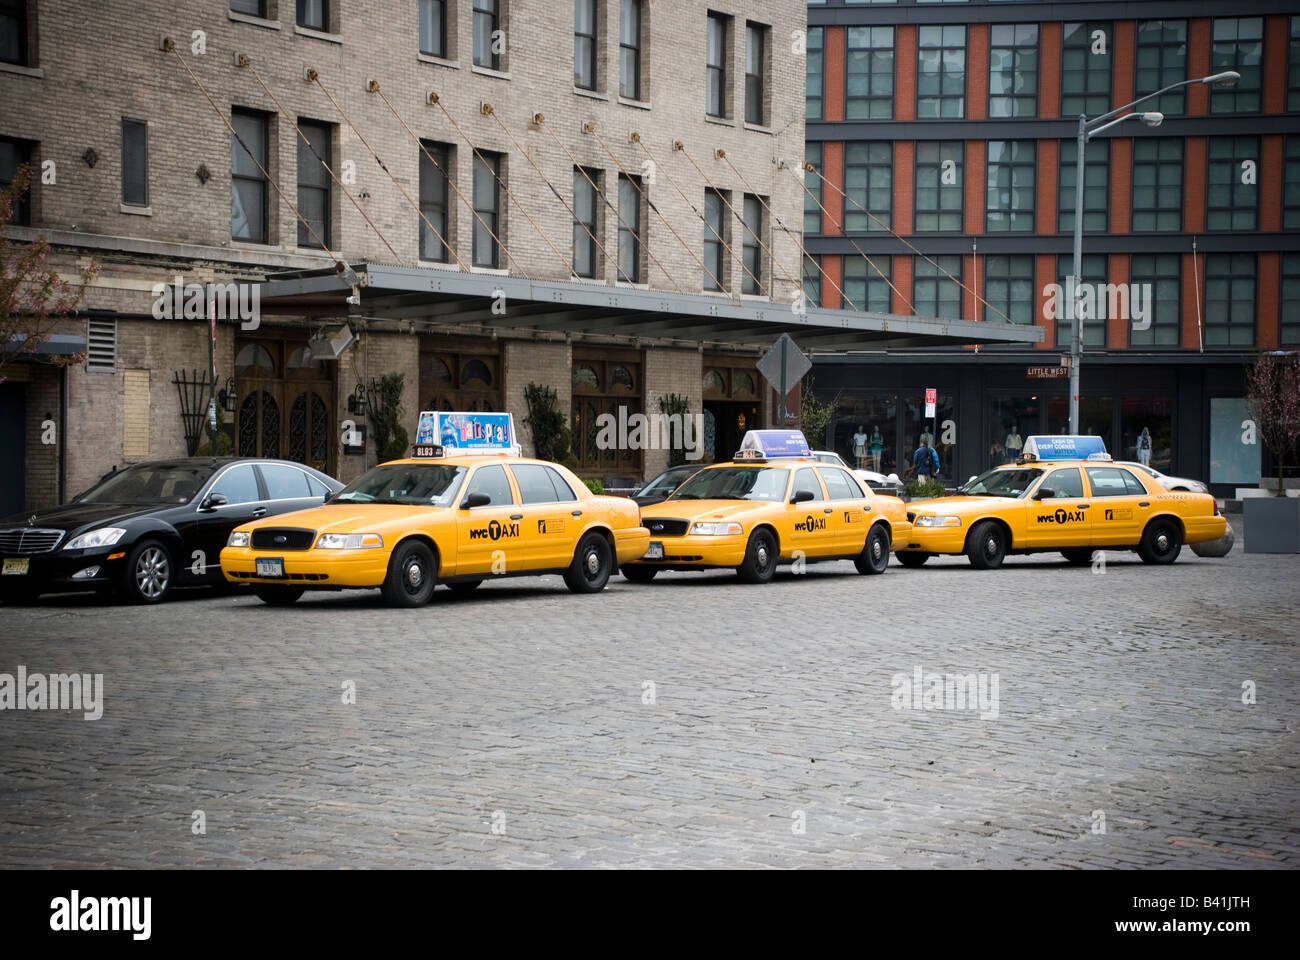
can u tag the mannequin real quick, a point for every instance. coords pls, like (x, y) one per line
(877, 448)
(860, 446)
(1013, 444)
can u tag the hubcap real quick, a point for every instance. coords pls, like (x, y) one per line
(414, 575)
(593, 563)
(875, 549)
(1162, 542)
(991, 546)
(151, 573)
(762, 555)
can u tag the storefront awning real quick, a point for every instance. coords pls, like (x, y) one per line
(473, 301)
(57, 345)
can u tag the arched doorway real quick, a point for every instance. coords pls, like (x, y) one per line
(286, 398)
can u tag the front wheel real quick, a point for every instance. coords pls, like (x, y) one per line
(412, 575)
(987, 547)
(464, 587)
(759, 565)
(593, 562)
(639, 574)
(148, 573)
(1077, 557)
(875, 554)
(275, 595)
(1162, 541)
(912, 560)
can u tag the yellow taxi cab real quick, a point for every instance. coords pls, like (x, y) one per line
(1063, 494)
(773, 503)
(407, 525)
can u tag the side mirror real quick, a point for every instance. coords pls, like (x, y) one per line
(803, 496)
(475, 500)
(1044, 493)
(972, 477)
(214, 500)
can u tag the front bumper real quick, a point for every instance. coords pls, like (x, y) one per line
(931, 540)
(697, 551)
(54, 572)
(630, 544)
(309, 568)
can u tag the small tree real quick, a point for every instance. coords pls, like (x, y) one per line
(384, 410)
(675, 405)
(814, 414)
(552, 439)
(33, 298)
(1273, 392)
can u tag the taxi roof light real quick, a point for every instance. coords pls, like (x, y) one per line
(763, 445)
(457, 433)
(1063, 447)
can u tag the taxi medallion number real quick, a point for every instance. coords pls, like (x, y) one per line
(270, 566)
(15, 566)
(655, 551)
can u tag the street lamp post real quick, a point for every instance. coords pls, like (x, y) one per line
(1087, 130)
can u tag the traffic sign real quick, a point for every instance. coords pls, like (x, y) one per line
(783, 366)
(931, 398)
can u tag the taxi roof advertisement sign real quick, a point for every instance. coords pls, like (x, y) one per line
(1064, 447)
(777, 443)
(467, 432)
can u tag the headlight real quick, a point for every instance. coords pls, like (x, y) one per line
(239, 539)
(716, 529)
(103, 537)
(348, 541)
(938, 521)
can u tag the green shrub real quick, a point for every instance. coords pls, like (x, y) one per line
(551, 437)
(222, 447)
(595, 486)
(919, 490)
(397, 446)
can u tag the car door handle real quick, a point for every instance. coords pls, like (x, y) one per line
(829, 510)
(1084, 506)
(1145, 503)
(577, 513)
(516, 516)
(260, 512)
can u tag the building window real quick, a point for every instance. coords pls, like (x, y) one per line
(940, 190)
(135, 162)
(1093, 320)
(630, 236)
(755, 72)
(812, 198)
(751, 250)
(1157, 185)
(314, 183)
(1238, 45)
(584, 44)
(816, 73)
(1289, 324)
(487, 34)
(433, 200)
(715, 65)
(1231, 203)
(812, 280)
(1085, 68)
(487, 205)
(1096, 186)
(1157, 279)
(1009, 288)
(602, 384)
(866, 285)
(248, 219)
(715, 226)
(941, 72)
(1293, 67)
(14, 154)
(586, 205)
(869, 74)
(1291, 185)
(869, 185)
(314, 14)
(254, 8)
(934, 292)
(629, 50)
(1013, 70)
(1230, 300)
(433, 27)
(1161, 60)
(1010, 196)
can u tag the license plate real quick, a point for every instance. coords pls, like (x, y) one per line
(654, 552)
(15, 567)
(270, 566)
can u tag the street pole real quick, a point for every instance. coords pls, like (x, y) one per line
(1076, 327)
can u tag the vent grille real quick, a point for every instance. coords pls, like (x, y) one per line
(101, 340)
(283, 538)
(26, 541)
(664, 527)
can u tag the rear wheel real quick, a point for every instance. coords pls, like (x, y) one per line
(913, 560)
(1077, 557)
(276, 595)
(639, 573)
(412, 575)
(987, 546)
(464, 587)
(875, 554)
(759, 565)
(149, 573)
(592, 564)
(1162, 541)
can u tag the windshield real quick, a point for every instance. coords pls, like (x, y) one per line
(150, 483)
(414, 484)
(664, 484)
(1002, 483)
(735, 483)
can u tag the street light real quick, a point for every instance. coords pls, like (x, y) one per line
(1087, 130)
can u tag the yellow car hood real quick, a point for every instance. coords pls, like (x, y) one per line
(959, 505)
(706, 509)
(351, 518)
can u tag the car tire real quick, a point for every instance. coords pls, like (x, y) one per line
(875, 553)
(275, 595)
(593, 562)
(1078, 557)
(987, 547)
(759, 565)
(149, 573)
(412, 575)
(912, 560)
(1162, 541)
(464, 588)
(639, 573)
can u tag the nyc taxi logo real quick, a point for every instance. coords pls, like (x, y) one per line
(550, 526)
(809, 524)
(495, 531)
(1061, 516)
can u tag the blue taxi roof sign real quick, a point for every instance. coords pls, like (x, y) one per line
(773, 445)
(466, 432)
(1065, 447)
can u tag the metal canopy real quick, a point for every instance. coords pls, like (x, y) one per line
(456, 297)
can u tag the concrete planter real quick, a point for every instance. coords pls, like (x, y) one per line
(1272, 524)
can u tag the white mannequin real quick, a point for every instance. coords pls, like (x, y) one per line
(860, 446)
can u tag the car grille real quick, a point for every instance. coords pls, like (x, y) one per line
(911, 518)
(269, 538)
(662, 527)
(27, 540)
(288, 576)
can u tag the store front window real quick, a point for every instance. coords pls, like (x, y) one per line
(1234, 444)
(939, 431)
(1155, 416)
(865, 432)
(1010, 421)
(1096, 417)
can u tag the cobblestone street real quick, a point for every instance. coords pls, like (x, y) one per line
(692, 722)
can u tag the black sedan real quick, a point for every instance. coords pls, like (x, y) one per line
(150, 527)
(658, 489)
